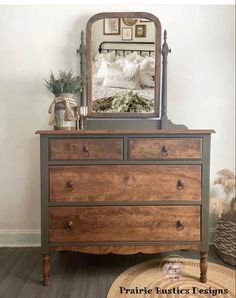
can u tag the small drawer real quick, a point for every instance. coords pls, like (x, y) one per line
(125, 183)
(165, 148)
(124, 223)
(86, 149)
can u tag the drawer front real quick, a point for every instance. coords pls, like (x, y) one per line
(124, 223)
(125, 183)
(86, 149)
(160, 148)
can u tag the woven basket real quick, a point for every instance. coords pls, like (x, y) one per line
(225, 240)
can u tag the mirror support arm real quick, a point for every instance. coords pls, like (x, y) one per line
(83, 75)
(83, 110)
(165, 51)
(165, 122)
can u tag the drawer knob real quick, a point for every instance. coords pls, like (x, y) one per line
(69, 225)
(70, 185)
(86, 150)
(180, 225)
(164, 151)
(180, 184)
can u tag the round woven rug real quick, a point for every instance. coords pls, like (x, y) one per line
(173, 277)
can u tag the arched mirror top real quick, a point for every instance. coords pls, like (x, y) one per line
(123, 65)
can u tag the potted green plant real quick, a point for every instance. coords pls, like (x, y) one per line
(62, 107)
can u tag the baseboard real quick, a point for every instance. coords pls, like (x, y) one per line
(212, 236)
(31, 238)
(20, 238)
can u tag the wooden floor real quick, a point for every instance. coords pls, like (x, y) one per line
(72, 274)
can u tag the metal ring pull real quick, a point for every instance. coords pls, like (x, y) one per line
(70, 185)
(180, 225)
(86, 151)
(69, 225)
(180, 184)
(164, 151)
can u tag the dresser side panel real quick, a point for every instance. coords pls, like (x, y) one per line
(205, 193)
(44, 193)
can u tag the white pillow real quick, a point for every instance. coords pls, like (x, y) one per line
(102, 70)
(94, 69)
(130, 68)
(134, 57)
(116, 77)
(148, 65)
(129, 64)
(146, 79)
(108, 57)
(147, 71)
(120, 60)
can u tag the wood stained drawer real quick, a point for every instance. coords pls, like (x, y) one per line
(86, 149)
(124, 223)
(125, 183)
(165, 148)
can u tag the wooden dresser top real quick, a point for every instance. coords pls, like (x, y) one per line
(102, 132)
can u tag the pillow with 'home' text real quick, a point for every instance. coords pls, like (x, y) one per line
(116, 77)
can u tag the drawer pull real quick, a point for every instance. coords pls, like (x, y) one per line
(69, 225)
(70, 185)
(180, 184)
(180, 225)
(86, 151)
(164, 151)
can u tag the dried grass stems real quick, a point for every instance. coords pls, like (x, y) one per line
(226, 205)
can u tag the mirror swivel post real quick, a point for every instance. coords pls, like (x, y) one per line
(164, 51)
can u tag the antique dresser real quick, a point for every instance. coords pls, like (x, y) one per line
(125, 192)
(129, 180)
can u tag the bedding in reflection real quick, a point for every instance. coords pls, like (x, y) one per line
(123, 83)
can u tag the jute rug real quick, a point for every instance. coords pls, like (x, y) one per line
(173, 277)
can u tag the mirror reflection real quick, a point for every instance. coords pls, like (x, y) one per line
(123, 66)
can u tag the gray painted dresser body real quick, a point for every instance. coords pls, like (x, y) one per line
(167, 154)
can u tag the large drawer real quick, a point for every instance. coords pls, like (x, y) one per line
(125, 182)
(165, 148)
(86, 149)
(124, 223)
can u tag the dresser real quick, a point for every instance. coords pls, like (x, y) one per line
(124, 192)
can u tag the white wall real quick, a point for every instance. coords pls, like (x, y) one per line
(36, 39)
(98, 36)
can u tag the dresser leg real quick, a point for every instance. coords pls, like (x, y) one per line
(203, 266)
(46, 269)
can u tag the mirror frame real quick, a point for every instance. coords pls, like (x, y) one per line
(89, 43)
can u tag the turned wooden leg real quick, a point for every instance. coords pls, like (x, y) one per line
(46, 269)
(203, 266)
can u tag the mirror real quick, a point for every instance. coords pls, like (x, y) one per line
(123, 64)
